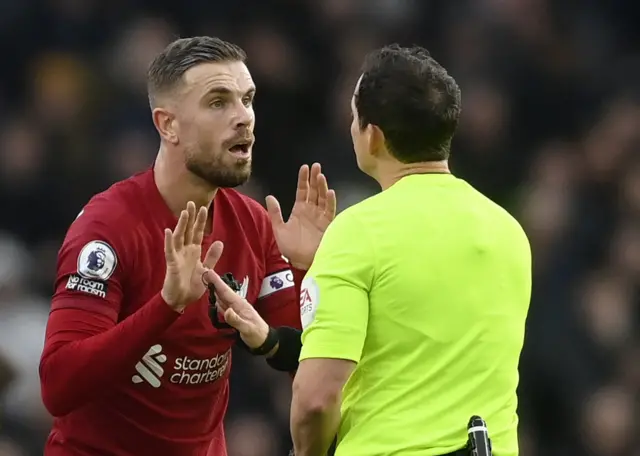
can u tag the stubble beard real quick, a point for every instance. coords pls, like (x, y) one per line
(216, 172)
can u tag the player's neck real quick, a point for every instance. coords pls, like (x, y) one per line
(393, 172)
(178, 186)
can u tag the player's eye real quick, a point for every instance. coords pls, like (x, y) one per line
(247, 101)
(217, 103)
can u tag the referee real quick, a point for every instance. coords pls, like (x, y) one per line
(414, 308)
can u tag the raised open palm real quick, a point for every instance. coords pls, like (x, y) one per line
(315, 207)
(183, 283)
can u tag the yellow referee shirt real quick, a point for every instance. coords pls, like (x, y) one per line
(426, 286)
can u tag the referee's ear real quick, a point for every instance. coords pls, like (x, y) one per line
(376, 140)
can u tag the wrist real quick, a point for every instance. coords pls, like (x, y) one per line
(265, 330)
(176, 307)
(268, 346)
(273, 351)
(301, 265)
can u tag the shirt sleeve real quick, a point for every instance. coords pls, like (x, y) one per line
(90, 270)
(279, 291)
(83, 352)
(334, 300)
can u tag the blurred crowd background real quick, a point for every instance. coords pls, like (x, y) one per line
(550, 130)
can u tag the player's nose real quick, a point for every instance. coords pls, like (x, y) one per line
(243, 117)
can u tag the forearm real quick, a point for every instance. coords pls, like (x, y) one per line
(314, 428)
(284, 357)
(76, 372)
(282, 313)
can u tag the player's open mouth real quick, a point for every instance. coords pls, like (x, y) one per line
(241, 150)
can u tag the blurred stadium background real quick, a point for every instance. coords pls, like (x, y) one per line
(550, 130)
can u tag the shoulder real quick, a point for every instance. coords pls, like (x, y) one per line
(501, 221)
(111, 210)
(371, 205)
(352, 218)
(348, 232)
(499, 214)
(105, 225)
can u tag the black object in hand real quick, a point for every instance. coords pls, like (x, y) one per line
(213, 310)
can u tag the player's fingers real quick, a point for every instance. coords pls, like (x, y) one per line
(275, 213)
(213, 255)
(313, 184)
(232, 318)
(188, 232)
(169, 252)
(225, 295)
(220, 304)
(302, 191)
(199, 226)
(330, 208)
(323, 189)
(178, 233)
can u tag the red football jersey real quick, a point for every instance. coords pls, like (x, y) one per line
(125, 375)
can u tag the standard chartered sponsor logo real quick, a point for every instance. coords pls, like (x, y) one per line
(149, 368)
(193, 371)
(186, 370)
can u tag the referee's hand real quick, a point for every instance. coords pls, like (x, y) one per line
(238, 313)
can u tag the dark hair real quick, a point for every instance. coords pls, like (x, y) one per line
(412, 99)
(178, 57)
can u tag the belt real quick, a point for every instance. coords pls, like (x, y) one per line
(462, 452)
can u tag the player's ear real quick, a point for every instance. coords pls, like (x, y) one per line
(165, 123)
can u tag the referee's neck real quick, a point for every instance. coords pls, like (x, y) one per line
(397, 171)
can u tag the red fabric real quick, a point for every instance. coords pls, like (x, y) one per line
(83, 355)
(124, 374)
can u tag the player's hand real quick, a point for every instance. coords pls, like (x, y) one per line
(315, 207)
(183, 282)
(239, 313)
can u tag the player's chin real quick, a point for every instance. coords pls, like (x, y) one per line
(235, 176)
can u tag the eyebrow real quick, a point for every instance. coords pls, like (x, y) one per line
(226, 91)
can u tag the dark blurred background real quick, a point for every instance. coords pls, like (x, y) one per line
(550, 130)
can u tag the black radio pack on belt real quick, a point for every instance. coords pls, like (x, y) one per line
(478, 443)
